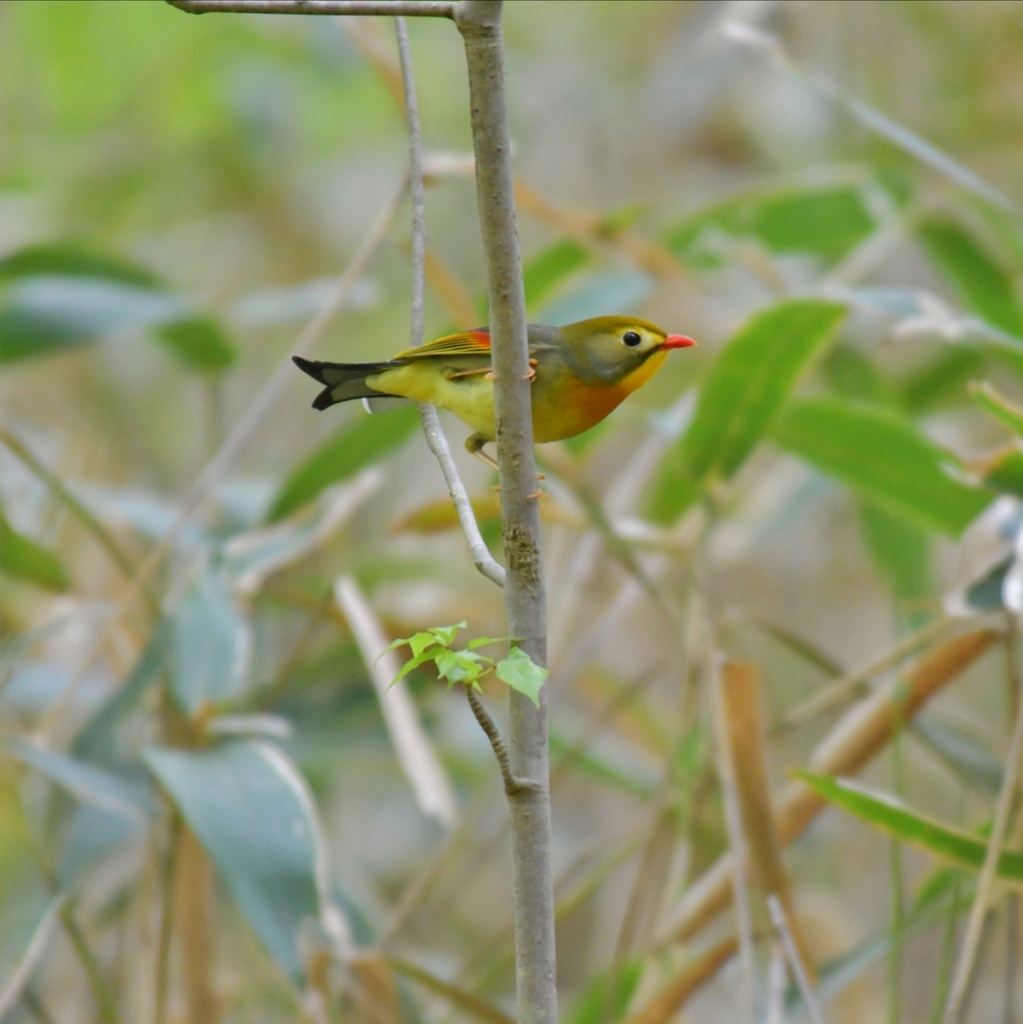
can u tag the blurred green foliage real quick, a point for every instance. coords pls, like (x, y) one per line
(813, 485)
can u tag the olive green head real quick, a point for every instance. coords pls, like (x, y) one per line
(609, 348)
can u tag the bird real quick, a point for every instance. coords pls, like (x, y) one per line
(579, 374)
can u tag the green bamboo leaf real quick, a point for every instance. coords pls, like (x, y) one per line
(549, 268)
(1003, 471)
(941, 379)
(748, 384)
(199, 342)
(883, 457)
(608, 994)
(252, 811)
(59, 297)
(27, 560)
(86, 782)
(98, 739)
(992, 401)
(827, 220)
(48, 314)
(209, 644)
(852, 373)
(981, 281)
(71, 260)
(358, 443)
(885, 813)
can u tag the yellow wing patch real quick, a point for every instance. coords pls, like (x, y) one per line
(468, 343)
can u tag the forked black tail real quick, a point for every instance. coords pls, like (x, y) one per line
(342, 381)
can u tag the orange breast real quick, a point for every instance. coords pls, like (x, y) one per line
(574, 406)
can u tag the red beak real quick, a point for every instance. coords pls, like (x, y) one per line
(677, 341)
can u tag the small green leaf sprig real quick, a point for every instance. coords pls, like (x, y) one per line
(466, 666)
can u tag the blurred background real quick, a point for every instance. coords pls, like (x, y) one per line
(194, 764)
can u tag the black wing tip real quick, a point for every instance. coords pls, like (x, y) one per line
(324, 400)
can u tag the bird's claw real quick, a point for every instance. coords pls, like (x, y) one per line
(530, 374)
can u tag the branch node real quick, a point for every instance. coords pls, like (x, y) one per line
(521, 787)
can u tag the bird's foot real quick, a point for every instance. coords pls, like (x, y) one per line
(530, 374)
(538, 493)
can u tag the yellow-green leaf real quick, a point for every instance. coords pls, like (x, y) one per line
(886, 814)
(28, 560)
(749, 383)
(883, 457)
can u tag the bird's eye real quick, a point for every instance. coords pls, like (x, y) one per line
(631, 338)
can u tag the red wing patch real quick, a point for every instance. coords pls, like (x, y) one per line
(468, 343)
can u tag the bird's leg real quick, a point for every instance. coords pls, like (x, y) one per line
(530, 374)
(474, 446)
(455, 374)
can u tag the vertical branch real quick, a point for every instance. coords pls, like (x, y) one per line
(479, 21)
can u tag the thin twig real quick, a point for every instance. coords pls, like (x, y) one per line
(776, 984)
(435, 438)
(848, 685)
(394, 8)
(511, 784)
(438, 444)
(416, 755)
(781, 926)
(985, 883)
